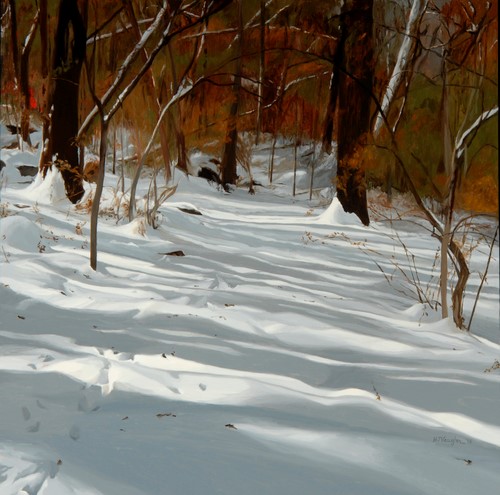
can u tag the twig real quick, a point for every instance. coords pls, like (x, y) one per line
(5, 255)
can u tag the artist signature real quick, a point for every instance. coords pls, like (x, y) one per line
(451, 441)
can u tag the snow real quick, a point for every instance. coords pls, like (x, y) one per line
(273, 358)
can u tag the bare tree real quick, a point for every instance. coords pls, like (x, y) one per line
(106, 114)
(69, 54)
(353, 61)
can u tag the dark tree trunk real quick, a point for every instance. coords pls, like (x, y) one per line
(13, 37)
(24, 82)
(228, 163)
(44, 37)
(355, 81)
(45, 102)
(69, 48)
(262, 65)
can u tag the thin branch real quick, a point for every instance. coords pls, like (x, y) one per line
(460, 143)
(93, 38)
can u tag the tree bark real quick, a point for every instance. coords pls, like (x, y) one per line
(355, 81)
(69, 54)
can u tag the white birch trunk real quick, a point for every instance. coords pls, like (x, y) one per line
(402, 61)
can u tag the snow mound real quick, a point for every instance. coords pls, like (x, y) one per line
(48, 191)
(335, 215)
(136, 228)
(19, 234)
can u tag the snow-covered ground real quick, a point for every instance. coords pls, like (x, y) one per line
(274, 358)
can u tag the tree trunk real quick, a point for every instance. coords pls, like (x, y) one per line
(44, 37)
(69, 54)
(24, 82)
(355, 83)
(13, 37)
(94, 216)
(330, 111)
(228, 163)
(447, 163)
(262, 62)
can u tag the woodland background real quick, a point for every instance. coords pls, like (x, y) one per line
(280, 77)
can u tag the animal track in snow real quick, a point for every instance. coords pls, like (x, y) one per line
(74, 432)
(87, 404)
(34, 428)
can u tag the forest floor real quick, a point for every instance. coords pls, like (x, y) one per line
(284, 354)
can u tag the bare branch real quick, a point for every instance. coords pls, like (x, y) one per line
(460, 143)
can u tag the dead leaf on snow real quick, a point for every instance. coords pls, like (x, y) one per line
(174, 253)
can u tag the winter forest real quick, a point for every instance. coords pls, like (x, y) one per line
(249, 247)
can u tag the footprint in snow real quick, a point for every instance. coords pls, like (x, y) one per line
(34, 428)
(125, 356)
(27, 416)
(74, 432)
(87, 405)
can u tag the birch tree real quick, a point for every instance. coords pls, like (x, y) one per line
(401, 67)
